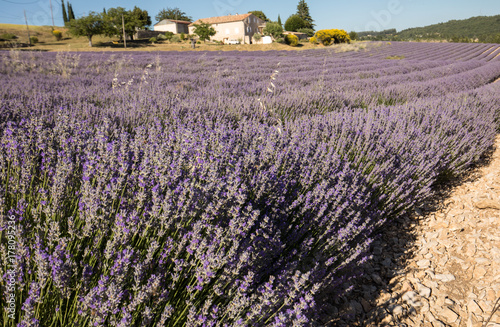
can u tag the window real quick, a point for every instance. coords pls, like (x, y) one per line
(236, 30)
(227, 30)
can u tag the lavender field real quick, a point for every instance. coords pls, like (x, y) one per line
(221, 189)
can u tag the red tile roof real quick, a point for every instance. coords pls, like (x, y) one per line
(222, 19)
(179, 21)
(175, 21)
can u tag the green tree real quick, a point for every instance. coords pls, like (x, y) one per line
(279, 20)
(259, 14)
(71, 14)
(133, 19)
(90, 25)
(308, 31)
(113, 26)
(303, 12)
(172, 13)
(353, 35)
(273, 29)
(141, 17)
(294, 22)
(204, 31)
(65, 15)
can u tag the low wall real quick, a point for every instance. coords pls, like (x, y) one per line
(145, 34)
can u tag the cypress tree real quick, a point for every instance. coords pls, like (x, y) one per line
(71, 14)
(279, 20)
(65, 16)
(303, 12)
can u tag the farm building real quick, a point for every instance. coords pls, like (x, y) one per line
(301, 36)
(172, 25)
(232, 27)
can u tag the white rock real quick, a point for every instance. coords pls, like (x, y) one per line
(424, 250)
(431, 235)
(483, 261)
(430, 272)
(471, 250)
(410, 297)
(424, 263)
(437, 323)
(472, 306)
(448, 301)
(472, 296)
(449, 315)
(487, 306)
(443, 261)
(472, 321)
(479, 272)
(432, 284)
(432, 244)
(444, 277)
(423, 291)
(488, 204)
(397, 310)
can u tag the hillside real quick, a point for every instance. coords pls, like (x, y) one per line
(16, 36)
(476, 29)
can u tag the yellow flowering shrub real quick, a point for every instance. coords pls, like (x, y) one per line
(291, 40)
(327, 37)
(58, 34)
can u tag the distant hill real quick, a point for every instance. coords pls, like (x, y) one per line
(476, 29)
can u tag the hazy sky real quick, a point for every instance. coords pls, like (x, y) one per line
(357, 15)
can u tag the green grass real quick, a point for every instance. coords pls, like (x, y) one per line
(395, 57)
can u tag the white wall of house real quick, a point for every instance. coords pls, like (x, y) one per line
(168, 26)
(266, 39)
(240, 30)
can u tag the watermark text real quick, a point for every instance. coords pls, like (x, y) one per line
(11, 266)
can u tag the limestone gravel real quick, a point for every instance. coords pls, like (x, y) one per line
(443, 270)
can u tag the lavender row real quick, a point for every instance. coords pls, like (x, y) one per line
(181, 215)
(176, 83)
(152, 201)
(429, 51)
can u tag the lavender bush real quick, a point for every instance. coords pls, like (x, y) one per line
(191, 189)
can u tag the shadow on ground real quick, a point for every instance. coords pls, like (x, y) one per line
(143, 43)
(372, 300)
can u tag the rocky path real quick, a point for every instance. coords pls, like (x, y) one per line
(441, 269)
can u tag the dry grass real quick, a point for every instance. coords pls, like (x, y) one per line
(47, 42)
(355, 46)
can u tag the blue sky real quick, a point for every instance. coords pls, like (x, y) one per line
(357, 15)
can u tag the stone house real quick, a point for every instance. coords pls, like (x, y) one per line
(172, 25)
(232, 27)
(301, 36)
